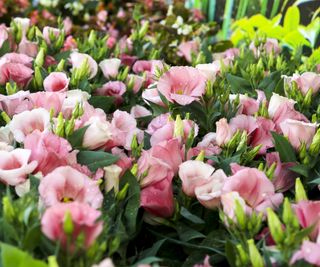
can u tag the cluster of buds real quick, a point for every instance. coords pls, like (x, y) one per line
(65, 127)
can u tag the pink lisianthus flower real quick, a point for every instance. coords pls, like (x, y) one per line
(182, 85)
(254, 187)
(49, 150)
(84, 219)
(56, 82)
(67, 184)
(15, 166)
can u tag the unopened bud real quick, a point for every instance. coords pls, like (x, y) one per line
(270, 170)
(68, 226)
(300, 192)
(144, 29)
(200, 156)
(178, 127)
(275, 226)
(123, 192)
(255, 257)
(314, 148)
(40, 57)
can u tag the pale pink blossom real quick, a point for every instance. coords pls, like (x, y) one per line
(67, 184)
(224, 132)
(306, 81)
(182, 85)
(298, 132)
(276, 101)
(159, 162)
(56, 82)
(15, 166)
(209, 194)
(187, 49)
(254, 187)
(157, 123)
(84, 219)
(194, 173)
(110, 67)
(47, 100)
(138, 111)
(137, 81)
(26, 122)
(113, 88)
(152, 95)
(28, 48)
(48, 150)
(3, 35)
(309, 252)
(124, 127)
(97, 134)
(262, 134)
(16, 103)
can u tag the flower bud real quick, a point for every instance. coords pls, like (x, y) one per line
(300, 192)
(134, 169)
(69, 127)
(111, 176)
(270, 170)
(68, 226)
(243, 141)
(240, 215)
(178, 127)
(243, 255)
(255, 257)
(5, 117)
(123, 192)
(275, 226)
(308, 98)
(288, 215)
(11, 88)
(92, 37)
(60, 126)
(52, 261)
(143, 30)
(40, 57)
(201, 155)
(314, 148)
(38, 77)
(60, 65)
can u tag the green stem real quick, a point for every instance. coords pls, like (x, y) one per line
(227, 18)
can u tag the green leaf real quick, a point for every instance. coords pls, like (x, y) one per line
(315, 181)
(133, 202)
(230, 253)
(96, 159)
(106, 103)
(285, 149)
(238, 84)
(14, 257)
(270, 83)
(62, 55)
(5, 48)
(292, 19)
(150, 252)
(147, 261)
(190, 217)
(300, 169)
(76, 138)
(186, 233)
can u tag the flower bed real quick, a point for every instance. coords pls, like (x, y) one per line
(135, 138)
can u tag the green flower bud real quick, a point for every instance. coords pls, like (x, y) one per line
(123, 192)
(255, 257)
(178, 127)
(92, 37)
(135, 146)
(5, 117)
(201, 155)
(124, 74)
(240, 215)
(308, 98)
(40, 57)
(261, 166)
(190, 139)
(314, 148)
(143, 30)
(68, 226)
(52, 261)
(243, 255)
(31, 33)
(60, 126)
(243, 141)
(275, 226)
(134, 169)
(11, 88)
(270, 171)
(300, 192)
(69, 127)
(60, 66)
(38, 77)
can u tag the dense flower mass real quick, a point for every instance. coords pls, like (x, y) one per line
(143, 133)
